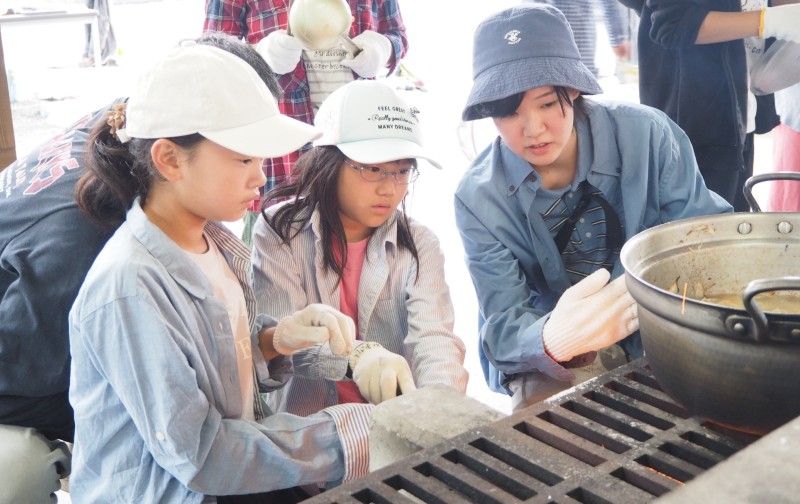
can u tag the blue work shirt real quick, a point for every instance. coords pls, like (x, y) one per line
(155, 385)
(645, 167)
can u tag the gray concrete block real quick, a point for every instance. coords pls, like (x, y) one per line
(422, 419)
(764, 472)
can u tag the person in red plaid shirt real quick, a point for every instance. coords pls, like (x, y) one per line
(306, 76)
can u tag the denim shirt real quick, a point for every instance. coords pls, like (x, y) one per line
(645, 167)
(155, 385)
(406, 309)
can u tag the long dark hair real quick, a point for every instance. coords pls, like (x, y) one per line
(314, 184)
(117, 173)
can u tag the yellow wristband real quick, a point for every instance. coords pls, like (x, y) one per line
(761, 23)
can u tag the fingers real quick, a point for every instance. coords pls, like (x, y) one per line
(340, 328)
(406, 383)
(294, 337)
(587, 286)
(342, 331)
(387, 385)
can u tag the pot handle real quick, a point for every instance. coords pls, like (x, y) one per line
(764, 177)
(761, 329)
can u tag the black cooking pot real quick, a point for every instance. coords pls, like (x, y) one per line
(739, 367)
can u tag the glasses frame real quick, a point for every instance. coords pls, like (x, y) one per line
(384, 173)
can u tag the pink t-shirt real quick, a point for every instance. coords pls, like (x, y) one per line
(348, 304)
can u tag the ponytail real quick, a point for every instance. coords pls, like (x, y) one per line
(117, 172)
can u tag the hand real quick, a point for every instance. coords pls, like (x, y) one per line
(782, 22)
(379, 373)
(281, 51)
(622, 51)
(591, 315)
(315, 324)
(374, 56)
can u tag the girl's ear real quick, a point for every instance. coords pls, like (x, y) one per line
(573, 93)
(166, 158)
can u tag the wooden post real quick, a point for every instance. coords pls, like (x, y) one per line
(8, 151)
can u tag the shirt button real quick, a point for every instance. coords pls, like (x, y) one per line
(569, 195)
(582, 220)
(588, 235)
(511, 188)
(160, 436)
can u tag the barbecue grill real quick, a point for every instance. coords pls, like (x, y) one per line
(615, 439)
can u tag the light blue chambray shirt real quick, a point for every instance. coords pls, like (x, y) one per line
(407, 310)
(645, 167)
(155, 386)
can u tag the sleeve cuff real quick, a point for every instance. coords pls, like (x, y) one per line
(352, 424)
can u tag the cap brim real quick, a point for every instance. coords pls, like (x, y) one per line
(506, 79)
(274, 136)
(384, 150)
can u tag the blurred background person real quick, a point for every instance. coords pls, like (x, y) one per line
(693, 64)
(582, 18)
(785, 196)
(107, 39)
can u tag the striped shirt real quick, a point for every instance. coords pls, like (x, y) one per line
(408, 311)
(582, 19)
(587, 249)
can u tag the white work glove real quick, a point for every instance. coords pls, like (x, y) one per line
(379, 373)
(782, 22)
(375, 52)
(591, 315)
(281, 51)
(315, 324)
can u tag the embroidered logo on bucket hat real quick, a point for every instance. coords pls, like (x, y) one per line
(370, 123)
(522, 48)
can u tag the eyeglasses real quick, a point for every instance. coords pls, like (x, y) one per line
(403, 176)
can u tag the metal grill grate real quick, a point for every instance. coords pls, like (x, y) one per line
(615, 439)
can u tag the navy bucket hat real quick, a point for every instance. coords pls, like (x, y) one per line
(522, 48)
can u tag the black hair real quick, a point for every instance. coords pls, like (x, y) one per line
(314, 184)
(117, 173)
(507, 106)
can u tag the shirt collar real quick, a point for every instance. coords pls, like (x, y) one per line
(596, 130)
(597, 151)
(175, 260)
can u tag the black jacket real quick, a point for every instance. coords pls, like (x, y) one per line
(703, 88)
(46, 248)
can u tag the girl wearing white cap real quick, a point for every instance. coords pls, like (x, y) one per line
(544, 210)
(168, 357)
(345, 240)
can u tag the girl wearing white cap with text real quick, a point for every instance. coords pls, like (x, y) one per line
(544, 210)
(168, 356)
(344, 240)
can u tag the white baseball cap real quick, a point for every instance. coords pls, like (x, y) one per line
(370, 123)
(206, 90)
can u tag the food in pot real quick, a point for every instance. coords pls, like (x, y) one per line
(770, 302)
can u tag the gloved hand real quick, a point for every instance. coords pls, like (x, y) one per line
(281, 51)
(378, 373)
(591, 315)
(376, 50)
(782, 22)
(314, 324)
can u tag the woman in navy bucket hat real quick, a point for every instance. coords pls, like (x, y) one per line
(544, 210)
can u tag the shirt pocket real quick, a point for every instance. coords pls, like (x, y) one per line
(388, 324)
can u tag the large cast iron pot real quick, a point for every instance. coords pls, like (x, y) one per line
(737, 367)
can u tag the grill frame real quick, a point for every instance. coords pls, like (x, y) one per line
(615, 439)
